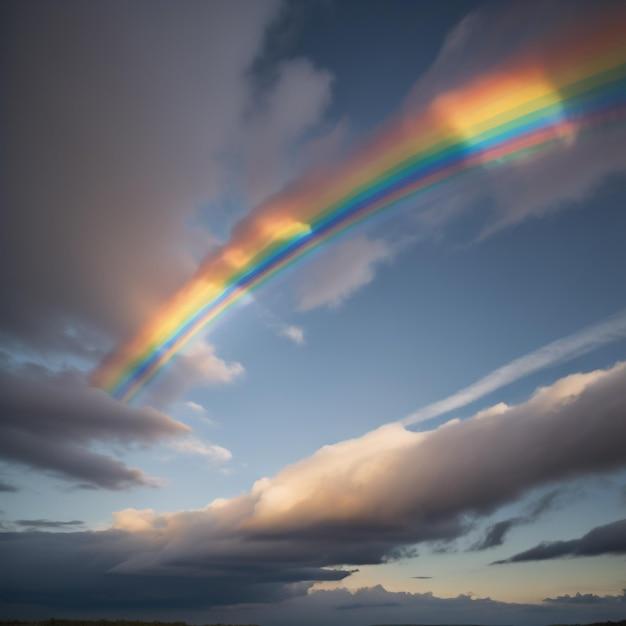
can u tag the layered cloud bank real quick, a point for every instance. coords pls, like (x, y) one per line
(355, 502)
(51, 421)
(607, 539)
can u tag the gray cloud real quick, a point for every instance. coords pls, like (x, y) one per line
(531, 188)
(77, 571)
(588, 598)
(390, 489)
(7, 487)
(49, 421)
(607, 539)
(375, 605)
(496, 533)
(343, 607)
(47, 524)
(334, 277)
(114, 141)
(482, 43)
(197, 366)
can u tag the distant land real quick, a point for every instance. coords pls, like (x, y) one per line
(100, 622)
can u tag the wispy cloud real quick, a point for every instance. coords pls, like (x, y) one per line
(48, 524)
(293, 333)
(607, 539)
(559, 351)
(496, 533)
(330, 279)
(211, 451)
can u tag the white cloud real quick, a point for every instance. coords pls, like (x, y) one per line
(195, 407)
(357, 501)
(293, 333)
(195, 367)
(559, 351)
(332, 277)
(211, 451)
(351, 503)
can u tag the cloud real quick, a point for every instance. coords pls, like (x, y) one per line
(109, 160)
(292, 105)
(196, 408)
(530, 188)
(51, 421)
(422, 577)
(293, 333)
(376, 605)
(360, 501)
(559, 351)
(211, 451)
(588, 598)
(496, 533)
(336, 275)
(189, 598)
(607, 539)
(47, 524)
(7, 488)
(195, 367)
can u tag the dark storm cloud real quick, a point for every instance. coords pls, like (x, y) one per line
(7, 487)
(390, 489)
(496, 533)
(76, 570)
(608, 539)
(48, 421)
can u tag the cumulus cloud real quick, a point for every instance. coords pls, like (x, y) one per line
(197, 366)
(607, 539)
(52, 421)
(360, 501)
(333, 277)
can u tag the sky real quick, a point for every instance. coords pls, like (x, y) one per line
(417, 418)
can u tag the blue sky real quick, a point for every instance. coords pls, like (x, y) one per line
(177, 122)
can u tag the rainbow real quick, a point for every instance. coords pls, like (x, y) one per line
(550, 97)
